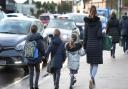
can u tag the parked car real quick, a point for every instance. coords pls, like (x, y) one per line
(13, 33)
(66, 27)
(16, 15)
(2, 15)
(79, 20)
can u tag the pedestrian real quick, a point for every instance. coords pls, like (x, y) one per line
(93, 43)
(73, 48)
(113, 29)
(58, 56)
(124, 31)
(34, 62)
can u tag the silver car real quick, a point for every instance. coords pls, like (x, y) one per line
(66, 27)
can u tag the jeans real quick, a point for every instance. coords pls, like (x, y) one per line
(56, 78)
(113, 49)
(31, 74)
(93, 70)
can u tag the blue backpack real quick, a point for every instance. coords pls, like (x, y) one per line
(31, 50)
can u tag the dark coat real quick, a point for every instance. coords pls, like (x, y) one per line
(57, 50)
(124, 26)
(93, 40)
(113, 29)
(39, 39)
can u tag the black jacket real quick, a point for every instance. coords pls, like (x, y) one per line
(93, 40)
(39, 39)
(113, 29)
(124, 26)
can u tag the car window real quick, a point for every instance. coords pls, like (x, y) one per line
(44, 18)
(63, 24)
(77, 18)
(12, 15)
(14, 26)
(40, 26)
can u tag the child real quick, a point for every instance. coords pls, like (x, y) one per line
(73, 48)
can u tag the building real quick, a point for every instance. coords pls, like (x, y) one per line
(27, 8)
(97, 3)
(123, 7)
(8, 6)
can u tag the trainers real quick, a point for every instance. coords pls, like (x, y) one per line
(36, 88)
(91, 84)
(74, 81)
(71, 87)
(31, 88)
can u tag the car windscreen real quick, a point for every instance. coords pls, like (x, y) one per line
(44, 17)
(62, 24)
(77, 18)
(14, 26)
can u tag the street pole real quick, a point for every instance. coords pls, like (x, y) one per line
(119, 8)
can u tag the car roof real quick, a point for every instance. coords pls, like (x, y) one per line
(63, 19)
(78, 14)
(15, 14)
(19, 18)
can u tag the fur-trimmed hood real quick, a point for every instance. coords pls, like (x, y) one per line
(90, 20)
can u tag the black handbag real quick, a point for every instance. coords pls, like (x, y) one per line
(51, 66)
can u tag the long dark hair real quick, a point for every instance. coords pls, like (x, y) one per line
(93, 11)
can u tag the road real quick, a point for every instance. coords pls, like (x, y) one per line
(10, 75)
(112, 74)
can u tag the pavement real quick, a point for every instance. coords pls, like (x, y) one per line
(113, 74)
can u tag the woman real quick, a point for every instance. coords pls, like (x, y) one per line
(93, 43)
(58, 55)
(73, 48)
(113, 29)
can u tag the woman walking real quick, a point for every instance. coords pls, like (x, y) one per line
(58, 56)
(93, 43)
(113, 29)
(73, 48)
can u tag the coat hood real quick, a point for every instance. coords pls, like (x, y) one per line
(89, 20)
(35, 36)
(124, 17)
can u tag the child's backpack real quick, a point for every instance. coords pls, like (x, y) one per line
(31, 50)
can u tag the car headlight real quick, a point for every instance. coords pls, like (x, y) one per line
(65, 37)
(20, 46)
(83, 27)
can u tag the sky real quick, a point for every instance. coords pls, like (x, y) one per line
(21, 1)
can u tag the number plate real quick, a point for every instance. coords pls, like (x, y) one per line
(2, 62)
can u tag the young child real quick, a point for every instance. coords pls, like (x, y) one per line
(73, 48)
